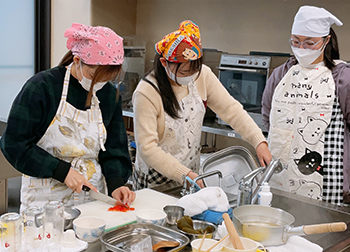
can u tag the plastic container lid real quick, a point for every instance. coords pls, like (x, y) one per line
(265, 187)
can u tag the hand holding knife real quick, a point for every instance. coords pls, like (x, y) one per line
(99, 196)
(102, 197)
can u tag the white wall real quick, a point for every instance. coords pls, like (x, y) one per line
(119, 15)
(64, 13)
(235, 26)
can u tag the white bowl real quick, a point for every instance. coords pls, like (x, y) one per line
(89, 228)
(207, 243)
(248, 244)
(153, 216)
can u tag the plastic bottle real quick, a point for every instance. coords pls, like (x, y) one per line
(265, 196)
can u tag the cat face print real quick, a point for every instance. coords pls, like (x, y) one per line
(310, 162)
(313, 131)
(308, 188)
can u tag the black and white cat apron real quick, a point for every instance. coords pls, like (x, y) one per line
(301, 111)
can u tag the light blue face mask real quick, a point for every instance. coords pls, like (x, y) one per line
(184, 81)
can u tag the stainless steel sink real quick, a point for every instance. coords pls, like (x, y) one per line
(306, 212)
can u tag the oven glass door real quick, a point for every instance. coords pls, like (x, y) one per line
(245, 86)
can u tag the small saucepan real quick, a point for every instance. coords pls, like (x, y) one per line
(273, 226)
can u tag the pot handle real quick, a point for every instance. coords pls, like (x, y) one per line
(325, 228)
(313, 229)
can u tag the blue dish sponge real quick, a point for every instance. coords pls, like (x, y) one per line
(212, 216)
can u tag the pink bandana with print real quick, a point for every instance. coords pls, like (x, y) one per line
(95, 45)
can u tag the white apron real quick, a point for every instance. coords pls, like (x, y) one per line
(75, 136)
(301, 111)
(181, 139)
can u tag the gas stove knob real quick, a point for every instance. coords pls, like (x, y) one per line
(256, 63)
(264, 63)
(250, 62)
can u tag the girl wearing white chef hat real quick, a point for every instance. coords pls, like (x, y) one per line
(306, 110)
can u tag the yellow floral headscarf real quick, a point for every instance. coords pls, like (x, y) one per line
(182, 45)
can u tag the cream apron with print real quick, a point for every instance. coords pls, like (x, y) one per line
(300, 113)
(74, 136)
(181, 138)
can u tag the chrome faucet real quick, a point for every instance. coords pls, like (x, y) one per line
(245, 189)
(205, 175)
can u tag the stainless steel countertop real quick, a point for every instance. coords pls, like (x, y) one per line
(306, 211)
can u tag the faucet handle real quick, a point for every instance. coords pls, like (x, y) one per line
(275, 165)
(248, 179)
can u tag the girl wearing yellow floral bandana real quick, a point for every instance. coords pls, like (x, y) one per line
(182, 45)
(169, 107)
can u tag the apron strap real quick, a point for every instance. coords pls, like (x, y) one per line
(66, 83)
(96, 108)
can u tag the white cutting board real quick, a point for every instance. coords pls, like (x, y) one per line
(145, 198)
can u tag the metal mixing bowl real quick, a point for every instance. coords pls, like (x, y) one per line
(197, 224)
(73, 213)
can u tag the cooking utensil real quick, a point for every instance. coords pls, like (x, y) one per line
(72, 213)
(199, 224)
(234, 238)
(203, 238)
(100, 196)
(165, 244)
(273, 226)
(174, 213)
(221, 240)
(122, 238)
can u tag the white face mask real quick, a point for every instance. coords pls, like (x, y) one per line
(86, 83)
(184, 81)
(306, 57)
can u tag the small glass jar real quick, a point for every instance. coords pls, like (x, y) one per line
(11, 232)
(53, 225)
(33, 222)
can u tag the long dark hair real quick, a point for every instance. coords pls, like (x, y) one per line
(111, 71)
(170, 103)
(331, 52)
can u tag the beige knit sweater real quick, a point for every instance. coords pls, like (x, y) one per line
(149, 120)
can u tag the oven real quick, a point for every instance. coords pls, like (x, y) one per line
(244, 77)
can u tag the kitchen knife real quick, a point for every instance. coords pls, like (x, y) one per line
(100, 196)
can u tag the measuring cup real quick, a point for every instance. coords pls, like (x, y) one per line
(53, 225)
(11, 232)
(33, 222)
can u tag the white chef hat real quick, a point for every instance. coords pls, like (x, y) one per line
(313, 22)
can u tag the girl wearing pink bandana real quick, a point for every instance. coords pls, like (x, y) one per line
(65, 129)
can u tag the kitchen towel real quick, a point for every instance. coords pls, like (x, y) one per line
(209, 198)
(296, 243)
(212, 216)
